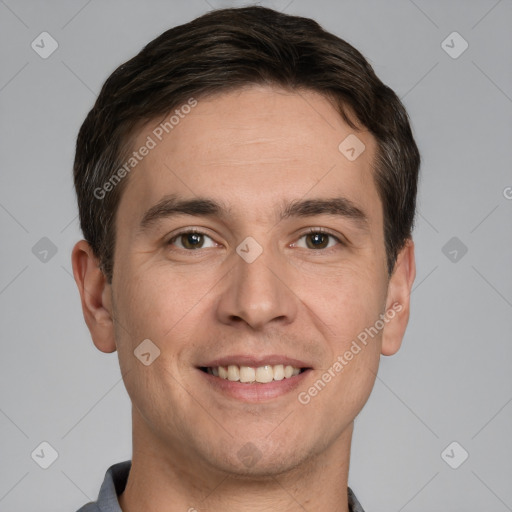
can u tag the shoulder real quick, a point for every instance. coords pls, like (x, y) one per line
(89, 507)
(113, 485)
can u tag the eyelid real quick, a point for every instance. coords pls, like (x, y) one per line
(187, 231)
(311, 230)
(324, 231)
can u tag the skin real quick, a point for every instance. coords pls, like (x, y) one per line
(253, 149)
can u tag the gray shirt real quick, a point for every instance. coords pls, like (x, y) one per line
(115, 482)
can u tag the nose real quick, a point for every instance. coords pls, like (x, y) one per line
(258, 293)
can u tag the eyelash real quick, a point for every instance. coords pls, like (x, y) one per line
(310, 231)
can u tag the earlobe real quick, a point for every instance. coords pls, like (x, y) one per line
(398, 300)
(95, 295)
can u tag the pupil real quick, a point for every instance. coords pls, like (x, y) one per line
(318, 239)
(193, 239)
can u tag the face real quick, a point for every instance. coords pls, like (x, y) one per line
(282, 265)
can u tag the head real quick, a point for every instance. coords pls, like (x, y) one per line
(242, 114)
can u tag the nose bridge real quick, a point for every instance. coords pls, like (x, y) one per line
(255, 291)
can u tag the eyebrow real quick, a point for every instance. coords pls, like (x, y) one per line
(171, 205)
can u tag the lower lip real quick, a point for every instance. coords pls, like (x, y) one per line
(255, 391)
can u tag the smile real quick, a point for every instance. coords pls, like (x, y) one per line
(251, 375)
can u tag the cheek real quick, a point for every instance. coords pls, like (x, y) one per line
(346, 301)
(343, 385)
(348, 306)
(168, 309)
(155, 303)
(160, 310)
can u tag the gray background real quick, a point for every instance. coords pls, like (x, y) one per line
(451, 381)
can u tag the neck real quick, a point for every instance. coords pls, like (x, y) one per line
(166, 482)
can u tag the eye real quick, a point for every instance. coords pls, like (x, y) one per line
(191, 240)
(318, 238)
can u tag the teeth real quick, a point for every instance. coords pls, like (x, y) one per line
(233, 372)
(248, 374)
(278, 372)
(264, 374)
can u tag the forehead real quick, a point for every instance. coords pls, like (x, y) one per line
(251, 148)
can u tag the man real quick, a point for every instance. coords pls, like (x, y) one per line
(246, 189)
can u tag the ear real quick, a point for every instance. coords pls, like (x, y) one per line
(96, 296)
(398, 299)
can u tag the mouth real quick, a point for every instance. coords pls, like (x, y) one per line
(254, 378)
(264, 374)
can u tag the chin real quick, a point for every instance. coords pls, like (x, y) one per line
(259, 460)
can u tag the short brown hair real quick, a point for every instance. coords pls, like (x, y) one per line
(227, 49)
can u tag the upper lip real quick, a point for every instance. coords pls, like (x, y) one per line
(255, 361)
